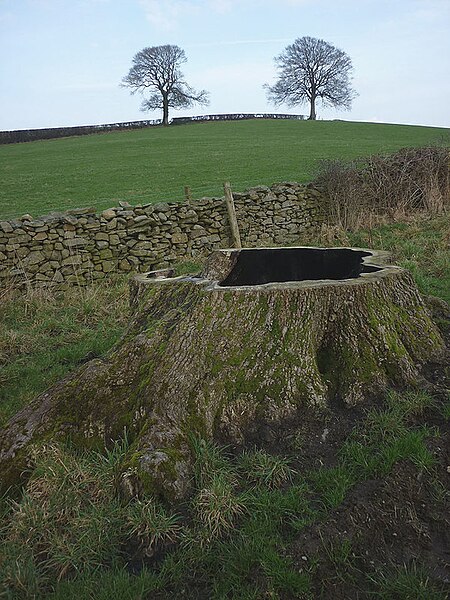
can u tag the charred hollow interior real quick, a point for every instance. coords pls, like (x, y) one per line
(277, 265)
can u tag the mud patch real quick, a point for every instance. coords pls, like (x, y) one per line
(384, 524)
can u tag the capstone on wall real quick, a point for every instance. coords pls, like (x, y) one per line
(79, 246)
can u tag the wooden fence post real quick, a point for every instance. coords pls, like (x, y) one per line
(187, 193)
(235, 235)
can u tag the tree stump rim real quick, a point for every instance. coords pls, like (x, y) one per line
(211, 280)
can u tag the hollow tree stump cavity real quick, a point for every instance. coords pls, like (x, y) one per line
(260, 336)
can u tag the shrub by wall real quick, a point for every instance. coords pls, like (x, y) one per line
(408, 181)
(79, 245)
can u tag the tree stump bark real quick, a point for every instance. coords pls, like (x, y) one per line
(260, 336)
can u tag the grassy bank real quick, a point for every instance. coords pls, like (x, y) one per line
(155, 164)
(420, 244)
(44, 335)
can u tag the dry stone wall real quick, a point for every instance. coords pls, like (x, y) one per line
(79, 245)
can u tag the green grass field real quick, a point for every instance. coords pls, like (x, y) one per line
(155, 164)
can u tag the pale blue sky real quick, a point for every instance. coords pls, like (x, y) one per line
(62, 60)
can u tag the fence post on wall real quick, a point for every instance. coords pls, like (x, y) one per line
(235, 235)
(187, 193)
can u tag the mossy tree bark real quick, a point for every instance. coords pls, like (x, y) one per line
(219, 362)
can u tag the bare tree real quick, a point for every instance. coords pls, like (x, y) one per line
(157, 69)
(311, 70)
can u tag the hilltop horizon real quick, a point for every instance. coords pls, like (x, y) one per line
(64, 62)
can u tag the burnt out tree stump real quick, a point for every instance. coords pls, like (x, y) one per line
(260, 336)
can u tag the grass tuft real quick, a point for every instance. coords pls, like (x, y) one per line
(211, 463)
(217, 508)
(216, 504)
(445, 409)
(409, 582)
(265, 469)
(152, 525)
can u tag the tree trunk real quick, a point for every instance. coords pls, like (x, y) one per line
(227, 362)
(312, 112)
(165, 121)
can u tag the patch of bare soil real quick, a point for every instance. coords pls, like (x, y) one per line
(396, 522)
